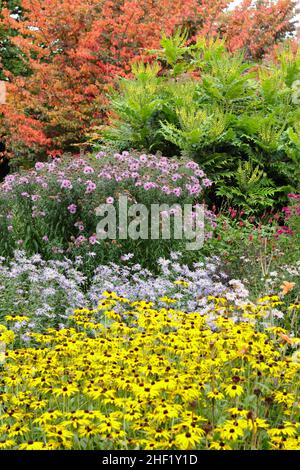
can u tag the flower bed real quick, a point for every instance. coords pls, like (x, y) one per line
(157, 378)
(52, 209)
(36, 294)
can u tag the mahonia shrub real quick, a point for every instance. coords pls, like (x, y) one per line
(52, 209)
(238, 119)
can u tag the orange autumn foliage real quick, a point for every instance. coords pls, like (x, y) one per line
(286, 287)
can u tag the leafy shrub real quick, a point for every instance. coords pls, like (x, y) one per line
(249, 188)
(52, 210)
(220, 110)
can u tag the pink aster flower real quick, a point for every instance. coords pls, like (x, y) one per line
(39, 166)
(100, 155)
(87, 170)
(149, 185)
(166, 189)
(199, 173)
(93, 240)
(207, 183)
(66, 184)
(90, 186)
(72, 208)
(79, 240)
(143, 158)
(177, 191)
(192, 165)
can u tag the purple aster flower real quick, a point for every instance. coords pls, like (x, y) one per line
(149, 185)
(66, 184)
(93, 240)
(90, 186)
(87, 170)
(72, 208)
(39, 166)
(127, 257)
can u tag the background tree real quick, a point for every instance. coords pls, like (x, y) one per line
(75, 49)
(11, 58)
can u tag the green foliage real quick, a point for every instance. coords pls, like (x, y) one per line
(231, 116)
(173, 51)
(251, 188)
(141, 101)
(11, 58)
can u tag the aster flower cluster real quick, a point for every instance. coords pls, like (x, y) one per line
(169, 176)
(52, 208)
(190, 286)
(36, 294)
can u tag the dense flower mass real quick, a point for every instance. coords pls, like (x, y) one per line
(154, 378)
(142, 171)
(294, 208)
(149, 226)
(36, 294)
(53, 208)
